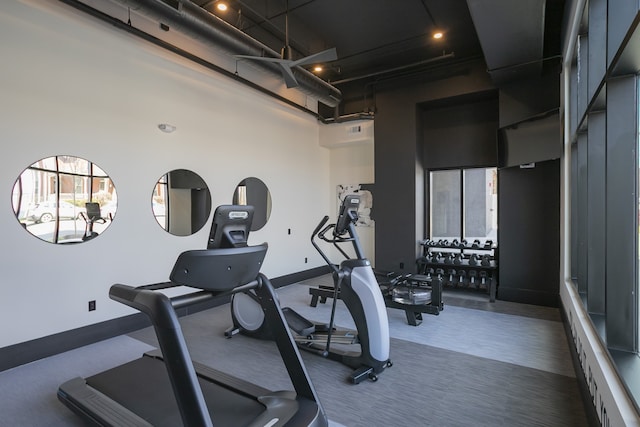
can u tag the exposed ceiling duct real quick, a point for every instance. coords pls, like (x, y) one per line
(195, 22)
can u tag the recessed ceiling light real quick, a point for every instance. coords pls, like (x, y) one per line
(317, 68)
(437, 35)
(222, 7)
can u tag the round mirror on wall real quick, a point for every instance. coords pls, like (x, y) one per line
(64, 199)
(181, 202)
(252, 191)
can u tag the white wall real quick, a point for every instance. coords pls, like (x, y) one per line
(352, 162)
(75, 86)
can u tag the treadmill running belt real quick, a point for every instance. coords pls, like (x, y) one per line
(143, 386)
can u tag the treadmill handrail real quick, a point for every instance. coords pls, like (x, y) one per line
(182, 374)
(161, 311)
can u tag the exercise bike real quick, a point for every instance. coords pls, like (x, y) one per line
(355, 282)
(92, 216)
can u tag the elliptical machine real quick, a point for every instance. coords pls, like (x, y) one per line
(356, 284)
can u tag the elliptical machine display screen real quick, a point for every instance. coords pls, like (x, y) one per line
(347, 214)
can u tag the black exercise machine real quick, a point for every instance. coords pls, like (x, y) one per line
(359, 290)
(165, 388)
(91, 217)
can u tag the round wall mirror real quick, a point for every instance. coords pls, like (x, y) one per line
(64, 199)
(181, 202)
(252, 191)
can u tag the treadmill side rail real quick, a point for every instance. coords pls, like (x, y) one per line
(284, 340)
(90, 403)
(187, 390)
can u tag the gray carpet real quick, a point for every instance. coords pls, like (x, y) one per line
(463, 367)
(477, 363)
(28, 392)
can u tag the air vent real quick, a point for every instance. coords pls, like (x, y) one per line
(342, 134)
(354, 130)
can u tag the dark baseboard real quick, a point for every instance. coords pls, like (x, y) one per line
(299, 276)
(587, 401)
(528, 296)
(30, 351)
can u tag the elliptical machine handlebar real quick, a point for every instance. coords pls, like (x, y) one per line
(347, 217)
(322, 222)
(321, 235)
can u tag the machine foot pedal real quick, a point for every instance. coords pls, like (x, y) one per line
(298, 323)
(363, 373)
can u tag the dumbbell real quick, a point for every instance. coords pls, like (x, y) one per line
(439, 273)
(452, 277)
(461, 278)
(473, 259)
(486, 260)
(472, 279)
(446, 258)
(457, 259)
(483, 280)
(429, 272)
(476, 244)
(455, 243)
(488, 244)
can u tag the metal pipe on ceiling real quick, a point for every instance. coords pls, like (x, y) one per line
(400, 68)
(193, 21)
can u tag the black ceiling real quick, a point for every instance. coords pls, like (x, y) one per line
(378, 39)
(369, 36)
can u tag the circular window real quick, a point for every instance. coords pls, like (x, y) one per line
(181, 202)
(252, 191)
(64, 199)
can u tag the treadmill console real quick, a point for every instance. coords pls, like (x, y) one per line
(230, 227)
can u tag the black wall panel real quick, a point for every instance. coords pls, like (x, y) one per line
(399, 172)
(530, 141)
(525, 99)
(461, 135)
(186, 179)
(596, 213)
(622, 213)
(529, 234)
(597, 45)
(582, 207)
(574, 211)
(620, 16)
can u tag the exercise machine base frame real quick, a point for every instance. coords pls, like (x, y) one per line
(413, 312)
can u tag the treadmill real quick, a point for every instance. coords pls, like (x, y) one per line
(166, 388)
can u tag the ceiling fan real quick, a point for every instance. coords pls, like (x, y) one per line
(287, 63)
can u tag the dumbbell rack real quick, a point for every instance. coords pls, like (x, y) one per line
(451, 262)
